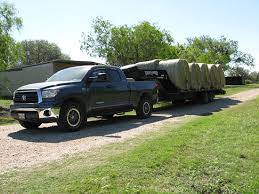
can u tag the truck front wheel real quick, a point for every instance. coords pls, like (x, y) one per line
(30, 125)
(145, 108)
(71, 117)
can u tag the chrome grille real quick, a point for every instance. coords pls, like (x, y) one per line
(26, 97)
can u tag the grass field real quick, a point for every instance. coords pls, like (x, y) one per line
(5, 102)
(232, 89)
(212, 154)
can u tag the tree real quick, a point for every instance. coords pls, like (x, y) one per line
(10, 51)
(210, 50)
(122, 45)
(254, 76)
(239, 71)
(38, 51)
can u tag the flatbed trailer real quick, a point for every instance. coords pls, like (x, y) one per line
(167, 90)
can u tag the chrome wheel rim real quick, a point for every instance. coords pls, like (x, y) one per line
(73, 117)
(146, 108)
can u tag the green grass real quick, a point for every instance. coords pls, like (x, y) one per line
(4, 120)
(5, 102)
(234, 89)
(210, 154)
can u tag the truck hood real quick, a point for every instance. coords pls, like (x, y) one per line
(44, 85)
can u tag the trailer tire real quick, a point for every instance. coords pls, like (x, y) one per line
(211, 97)
(71, 117)
(204, 98)
(30, 125)
(145, 108)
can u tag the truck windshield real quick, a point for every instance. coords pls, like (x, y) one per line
(70, 74)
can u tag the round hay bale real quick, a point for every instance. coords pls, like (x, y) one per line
(205, 76)
(178, 72)
(213, 76)
(148, 65)
(221, 75)
(132, 71)
(195, 76)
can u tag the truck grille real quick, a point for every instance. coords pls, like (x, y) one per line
(26, 97)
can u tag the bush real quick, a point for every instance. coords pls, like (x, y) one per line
(248, 81)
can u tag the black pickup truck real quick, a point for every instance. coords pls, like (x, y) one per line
(73, 94)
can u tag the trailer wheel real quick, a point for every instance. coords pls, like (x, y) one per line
(211, 97)
(30, 125)
(71, 117)
(204, 98)
(145, 108)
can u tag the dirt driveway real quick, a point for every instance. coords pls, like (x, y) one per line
(24, 148)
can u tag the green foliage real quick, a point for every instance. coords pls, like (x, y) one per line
(38, 51)
(10, 51)
(218, 51)
(122, 45)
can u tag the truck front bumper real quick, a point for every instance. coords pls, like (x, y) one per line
(44, 115)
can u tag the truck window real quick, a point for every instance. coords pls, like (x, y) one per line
(96, 72)
(114, 75)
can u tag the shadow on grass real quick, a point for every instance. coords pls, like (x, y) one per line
(109, 128)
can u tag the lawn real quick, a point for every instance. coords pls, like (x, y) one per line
(5, 102)
(233, 89)
(210, 154)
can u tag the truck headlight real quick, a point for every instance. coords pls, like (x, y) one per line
(49, 93)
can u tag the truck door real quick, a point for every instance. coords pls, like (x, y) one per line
(98, 90)
(120, 93)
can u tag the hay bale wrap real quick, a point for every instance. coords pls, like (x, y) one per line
(221, 75)
(148, 65)
(178, 72)
(205, 76)
(195, 76)
(213, 76)
(132, 71)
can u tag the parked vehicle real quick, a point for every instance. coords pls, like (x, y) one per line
(73, 94)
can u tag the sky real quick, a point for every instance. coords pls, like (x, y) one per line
(63, 22)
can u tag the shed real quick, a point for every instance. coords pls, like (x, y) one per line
(12, 79)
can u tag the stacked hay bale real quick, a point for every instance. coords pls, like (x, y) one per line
(195, 76)
(221, 75)
(184, 76)
(214, 80)
(148, 65)
(178, 72)
(205, 76)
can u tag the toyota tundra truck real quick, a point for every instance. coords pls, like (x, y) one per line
(72, 95)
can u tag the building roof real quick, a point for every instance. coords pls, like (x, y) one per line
(58, 61)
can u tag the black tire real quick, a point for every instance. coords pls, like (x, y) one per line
(71, 117)
(145, 108)
(211, 97)
(30, 125)
(204, 98)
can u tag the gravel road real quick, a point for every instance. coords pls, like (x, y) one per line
(23, 148)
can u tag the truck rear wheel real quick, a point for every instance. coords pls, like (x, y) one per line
(71, 117)
(145, 108)
(30, 125)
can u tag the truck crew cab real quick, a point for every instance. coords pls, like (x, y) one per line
(71, 95)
